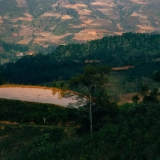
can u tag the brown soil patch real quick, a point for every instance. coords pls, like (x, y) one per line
(48, 37)
(86, 19)
(7, 122)
(105, 11)
(28, 15)
(139, 1)
(25, 31)
(89, 34)
(51, 14)
(83, 12)
(101, 23)
(66, 17)
(76, 6)
(134, 14)
(119, 26)
(71, 6)
(39, 40)
(143, 28)
(46, 34)
(80, 8)
(128, 98)
(81, 5)
(1, 20)
(25, 40)
(103, 4)
(118, 33)
(15, 34)
(29, 19)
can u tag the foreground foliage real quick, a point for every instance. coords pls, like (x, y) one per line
(30, 112)
(134, 134)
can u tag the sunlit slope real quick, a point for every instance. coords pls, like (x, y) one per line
(65, 21)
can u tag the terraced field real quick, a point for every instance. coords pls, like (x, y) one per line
(65, 21)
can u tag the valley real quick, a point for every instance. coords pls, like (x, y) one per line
(106, 52)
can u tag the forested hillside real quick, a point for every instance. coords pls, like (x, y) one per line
(39, 69)
(138, 50)
(128, 49)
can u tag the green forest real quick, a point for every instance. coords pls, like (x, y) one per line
(138, 50)
(127, 49)
(104, 127)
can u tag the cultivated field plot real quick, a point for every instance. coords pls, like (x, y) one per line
(25, 19)
(25, 31)
(76, 6)
(1, 20)
(82, 9)
(51, 14)
(66, 17)
(47, 36)
(103, 3)
(89, 34)
(144, 29)
(25, 40)
(28, 17)
(140, 1)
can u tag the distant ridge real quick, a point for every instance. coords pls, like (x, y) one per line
(72, 21)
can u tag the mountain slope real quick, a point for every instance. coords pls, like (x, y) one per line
(65, 21)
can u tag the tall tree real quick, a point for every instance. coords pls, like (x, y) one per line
(89, 84)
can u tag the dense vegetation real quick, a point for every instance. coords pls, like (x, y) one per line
(140, 50)
(40, 69)
(128, 131)
(128, 49)
(25, 112)
(132, 134)
(58, 123)
(21, 122)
